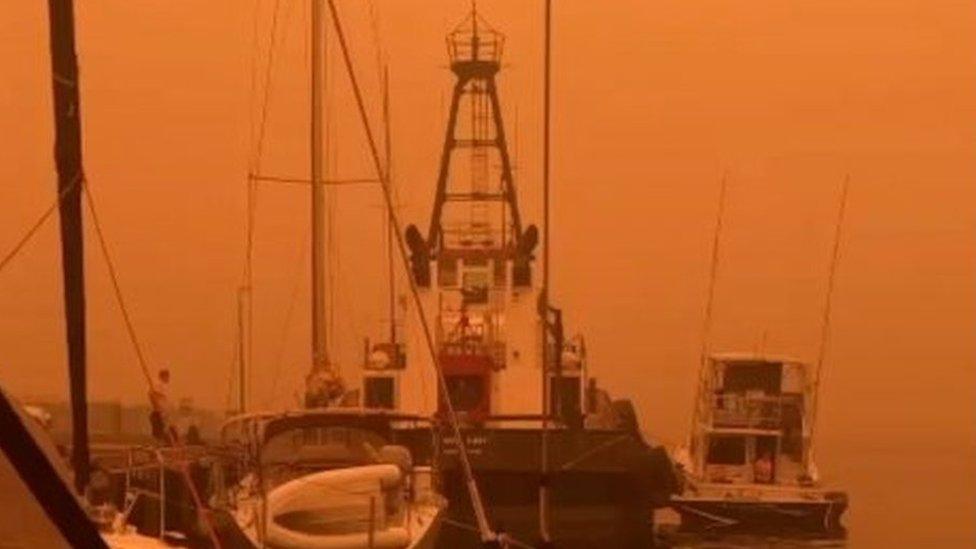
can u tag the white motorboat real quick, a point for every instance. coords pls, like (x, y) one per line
(749, 463)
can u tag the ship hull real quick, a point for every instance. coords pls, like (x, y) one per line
(703, 514)
(604, 486)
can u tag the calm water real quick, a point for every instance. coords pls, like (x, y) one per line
(914, 492)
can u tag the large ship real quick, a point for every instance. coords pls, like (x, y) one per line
(536, 426)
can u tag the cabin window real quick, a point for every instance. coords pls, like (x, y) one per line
(467, 392)
(499, 273)
(727, 451)
(447, 272)
(565, 397)
(743, 377)
(380, 392)
(476, 287)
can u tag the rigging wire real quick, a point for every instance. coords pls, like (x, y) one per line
(487, 535)
(37, 224)
(258, 141)
(289, 314)
(234, 361)
(329, 182)
(374, 24)
(143, 365)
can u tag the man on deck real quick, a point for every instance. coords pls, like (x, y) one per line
(161, 417)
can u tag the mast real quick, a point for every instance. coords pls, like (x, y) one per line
(546, 393)
(388, 151)
(320, 357)
(68, 158)
(241, 351)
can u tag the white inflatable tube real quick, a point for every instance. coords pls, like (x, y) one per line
(343, 498)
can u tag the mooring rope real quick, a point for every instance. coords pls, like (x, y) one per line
(140, 355)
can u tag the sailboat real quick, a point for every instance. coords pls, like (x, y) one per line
(327, 476)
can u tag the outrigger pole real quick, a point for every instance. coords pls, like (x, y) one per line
(828, 304)
(706, 333)
(68, 159)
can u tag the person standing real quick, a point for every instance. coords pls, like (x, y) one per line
(161, 417)
(762, 471)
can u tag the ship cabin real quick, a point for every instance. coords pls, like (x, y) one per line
(751, 421)
(483, 306)
(475, 275)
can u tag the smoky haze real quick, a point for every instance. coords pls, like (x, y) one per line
(653, 102)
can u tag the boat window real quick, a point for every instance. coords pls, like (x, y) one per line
(725, 450)
(447, 272)
(467, 392)
(742, 377)
(324, 446)
(500, 273)
(380, 392)
(475, 287)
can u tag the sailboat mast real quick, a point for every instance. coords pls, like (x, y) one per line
(547, 397)
(320, 358)
(388, 152)
(67, 154)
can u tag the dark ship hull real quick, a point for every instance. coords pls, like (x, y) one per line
(604, 486)
(793, 517)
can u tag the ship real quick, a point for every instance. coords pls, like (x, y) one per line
(749, 463)
(556, 460)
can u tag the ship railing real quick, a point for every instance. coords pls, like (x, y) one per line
(473, 236)
(482, 323)
(475, 42)
(746, 411)
(139, 462)
(144, 470)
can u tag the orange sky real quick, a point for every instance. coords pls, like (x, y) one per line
(653, 101)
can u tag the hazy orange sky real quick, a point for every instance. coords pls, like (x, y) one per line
(653, 101)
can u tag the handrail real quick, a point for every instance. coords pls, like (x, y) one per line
(739, 409)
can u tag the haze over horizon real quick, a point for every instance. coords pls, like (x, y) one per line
(653, 103)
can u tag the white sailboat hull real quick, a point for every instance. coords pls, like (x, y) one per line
(342, 509)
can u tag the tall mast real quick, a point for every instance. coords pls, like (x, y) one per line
(320, 357)
(547, 397)
(67, 154)
(388, 151)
